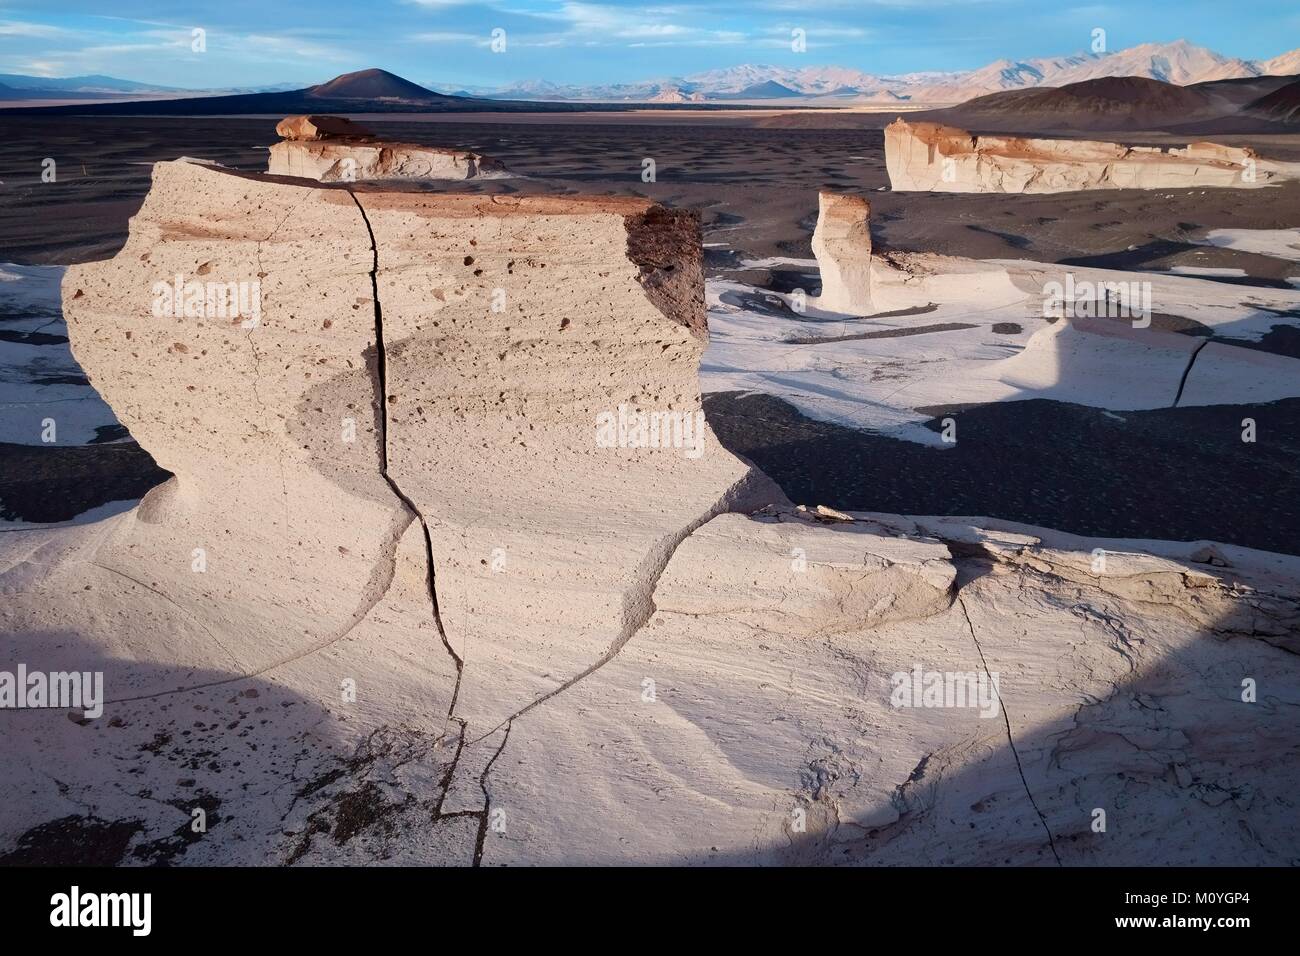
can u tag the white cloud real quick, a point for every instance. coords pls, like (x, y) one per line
(122, 50)
(20, 28)
(283, 44)
(594, 24)
(47, 68)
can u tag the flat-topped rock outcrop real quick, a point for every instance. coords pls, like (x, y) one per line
(332, 149)
(316, 127)
(930, 157)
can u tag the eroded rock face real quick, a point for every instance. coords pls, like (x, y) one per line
(539, 398)
(858, 279)
(796, 575)
(238, 321)
(842, 244)
(1083, 666)
(1093, 342)
(522, 360)
(331, 161)
(332, 149)
(463, 429)
(930, 157)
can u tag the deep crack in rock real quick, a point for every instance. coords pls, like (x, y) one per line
(381, 388)
(1010, 740)
(1182, 383)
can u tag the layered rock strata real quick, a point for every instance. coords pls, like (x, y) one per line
(530, 389)
(930, 157)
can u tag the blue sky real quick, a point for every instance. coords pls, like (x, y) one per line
(445, 42)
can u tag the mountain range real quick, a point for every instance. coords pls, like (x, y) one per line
(18, 86)
(1180, 62)
(1175, 65)
(362, 91)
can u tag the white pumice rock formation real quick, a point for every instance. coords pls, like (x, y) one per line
(1080, 335)
(929, 157)
(498, 356)
(517, 382)
(233, 335)
(858, 279)
(332, 149)
(779, 737)
(842, 244)
(424, 590)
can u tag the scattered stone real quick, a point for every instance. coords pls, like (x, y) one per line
(1210, 555)
(826, 512)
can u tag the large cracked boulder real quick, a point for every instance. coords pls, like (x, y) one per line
(464, 429)
(544, 415)
(524, 383)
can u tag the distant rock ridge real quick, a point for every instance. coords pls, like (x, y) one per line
(930, 157)
(333, 149)
(1178, 63)
(1102, 103)
(673, 94)
(1282, 105)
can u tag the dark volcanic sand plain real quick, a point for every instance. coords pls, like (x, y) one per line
(1181, 473)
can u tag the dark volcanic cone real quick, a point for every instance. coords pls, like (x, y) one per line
(373, 85)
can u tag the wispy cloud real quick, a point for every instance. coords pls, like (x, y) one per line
(582, 24)
(124, 46)
(19, 28)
